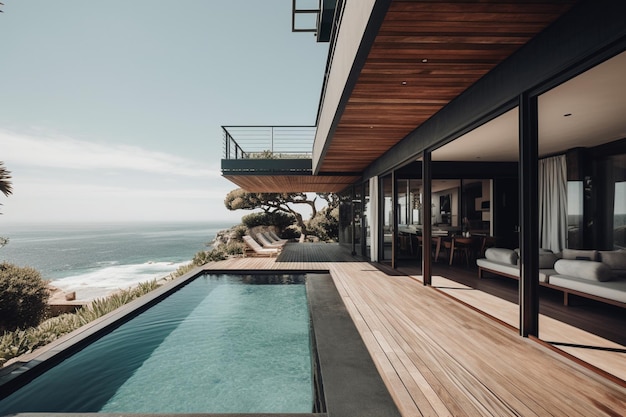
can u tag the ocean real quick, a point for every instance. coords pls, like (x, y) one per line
(97, 259)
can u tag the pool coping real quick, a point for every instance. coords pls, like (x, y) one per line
(351, 383)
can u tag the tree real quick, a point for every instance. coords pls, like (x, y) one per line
(240, 199)
(5, 188)
(5, 185)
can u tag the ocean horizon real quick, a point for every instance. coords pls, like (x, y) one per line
(96, 259)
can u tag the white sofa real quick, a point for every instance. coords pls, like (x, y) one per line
(505, 262)
(599, 275)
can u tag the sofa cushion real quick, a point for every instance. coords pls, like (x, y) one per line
(583, 255)
(502, 255)
(546, 258)
(612, 290)
(614, 259)
(589, 270)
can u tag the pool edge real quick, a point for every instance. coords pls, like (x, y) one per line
(351, 383)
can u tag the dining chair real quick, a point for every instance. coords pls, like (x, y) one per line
(463, 246)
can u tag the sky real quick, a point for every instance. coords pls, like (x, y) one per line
(112, 110)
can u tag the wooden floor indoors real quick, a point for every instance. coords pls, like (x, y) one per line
(440, 357)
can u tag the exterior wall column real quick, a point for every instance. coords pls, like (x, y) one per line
(426, 218)
(352, 219)
(394, 222)
(529, 215)
(373, 218)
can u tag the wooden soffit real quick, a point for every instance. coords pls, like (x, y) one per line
(292, 183)
(425, 54)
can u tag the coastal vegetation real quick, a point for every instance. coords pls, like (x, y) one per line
(21, 341)
(270, 203)
(6, 188)
(278, 215)
(23, 297)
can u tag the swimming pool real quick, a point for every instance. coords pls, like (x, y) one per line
(220, 344)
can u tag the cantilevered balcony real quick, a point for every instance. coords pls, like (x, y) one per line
(267, 150)
(275, 159)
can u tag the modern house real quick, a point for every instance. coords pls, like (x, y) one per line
(498, 118)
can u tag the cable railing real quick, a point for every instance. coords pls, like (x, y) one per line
(268, 142)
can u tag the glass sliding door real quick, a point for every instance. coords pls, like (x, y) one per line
(367, 207)
(386, 219)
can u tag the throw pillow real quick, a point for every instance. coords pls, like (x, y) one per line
(502, 255)
(616, 260)
(581, 255)
(589, 270)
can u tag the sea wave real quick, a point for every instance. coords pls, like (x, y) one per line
(104, 281)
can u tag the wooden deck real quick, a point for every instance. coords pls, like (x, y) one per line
(440, 357)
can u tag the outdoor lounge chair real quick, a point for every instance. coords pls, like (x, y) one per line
(273, 242)
(265, 242)
(259, 250)
(275, 237)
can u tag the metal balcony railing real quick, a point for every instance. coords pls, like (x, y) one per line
(268, 142)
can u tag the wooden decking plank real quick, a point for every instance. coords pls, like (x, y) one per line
(468, 404)
(467, 353)
(550, 329)
(495, 373)
(378, 346)
(427, 402)
(404, 400)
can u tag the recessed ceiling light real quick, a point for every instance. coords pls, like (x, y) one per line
(425, 60)
(567, 114)
(403, 82)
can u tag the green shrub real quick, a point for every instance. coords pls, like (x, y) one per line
(290, 233)
(23, 297)
(203, 257)
(200, 258)
(279, 219)
(234, 248)
(239, 232)
(325, 225)
(182, 270)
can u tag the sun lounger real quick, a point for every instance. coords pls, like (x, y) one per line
(269, 242)
(258, 249)
(265, 242)
(275, 237)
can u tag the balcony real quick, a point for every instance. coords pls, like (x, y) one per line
(276, 159)
(267, 150)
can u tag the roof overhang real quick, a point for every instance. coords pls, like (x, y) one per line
(410, 59)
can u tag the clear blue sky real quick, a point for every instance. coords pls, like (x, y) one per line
(111, 110)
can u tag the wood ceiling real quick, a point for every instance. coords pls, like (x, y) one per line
(292, 183)
(425, 54)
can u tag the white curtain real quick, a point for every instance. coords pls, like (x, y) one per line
(553, 203)
(373, 219)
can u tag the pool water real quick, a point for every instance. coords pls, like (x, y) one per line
(221, 344)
